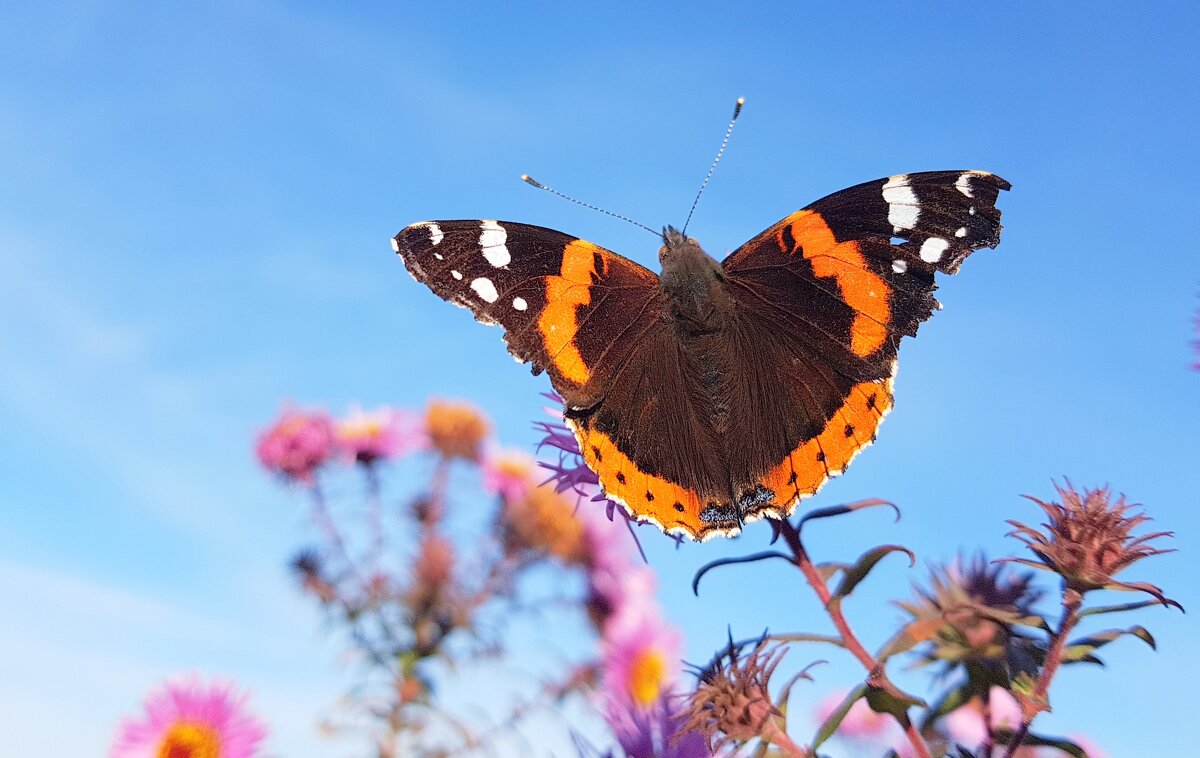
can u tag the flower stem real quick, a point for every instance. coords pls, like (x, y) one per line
(1032, 705)
(876, 675)
(775, 736)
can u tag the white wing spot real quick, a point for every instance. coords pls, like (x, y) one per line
(963, 184)
(899, 266)
(396, 245)
(519, 303)
(903, 210)
(492, 239)
(485, 289)
(435, 234)
(962, 232)
(456, 275)
(438, 256)
(932, 249)
(971, 210)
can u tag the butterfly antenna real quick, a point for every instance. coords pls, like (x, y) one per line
(535, 183)
(737, 110)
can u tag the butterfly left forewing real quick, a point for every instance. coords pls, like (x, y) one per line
(569, 307)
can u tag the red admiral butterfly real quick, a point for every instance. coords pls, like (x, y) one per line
(714, 394)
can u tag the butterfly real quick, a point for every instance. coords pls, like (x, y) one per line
(716, 393)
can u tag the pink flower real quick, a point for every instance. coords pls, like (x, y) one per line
(641, 655)
(296, 444)
(860, 723)
(1089, 747)
(380, 434)
(187, 719)
(965, 725)
(654, 732)
(508, 473)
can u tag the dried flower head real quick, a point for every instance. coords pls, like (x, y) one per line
(297, 444)
(456, 430)
(434, 565)
(1089, 540)
(969, 611)
(732, 703)
(310, 571)
(544, 521)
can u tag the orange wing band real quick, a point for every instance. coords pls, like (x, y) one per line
(559, 321)
(851, 428)
(862, 290)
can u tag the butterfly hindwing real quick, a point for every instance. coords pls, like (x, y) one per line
(569, 307)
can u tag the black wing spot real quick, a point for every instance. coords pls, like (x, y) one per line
(679, 506)
(620, 477)
(821, 456)
(596, 452)
(849, 430)
(649, 496)
(871, 401)
(792, 478)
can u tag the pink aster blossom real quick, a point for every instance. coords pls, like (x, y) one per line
(508, 473)
(189, 719)
(380, 434)
(965, 725)
(641, 656)
(297, 444)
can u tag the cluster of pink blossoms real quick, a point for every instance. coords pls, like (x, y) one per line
(300, 442)
(640, 650)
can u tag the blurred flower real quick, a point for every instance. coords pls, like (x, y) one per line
(379, 434)
(187, 719)
(965, 725)
(296, 444)
(732, 703)
(508, 473)
(1089, 540)
(544, 521)
(456, 430)
(860, 723)
(641, 654)
(1091, 749)
(656, 731)
(969, 611)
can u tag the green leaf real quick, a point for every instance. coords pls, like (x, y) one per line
(859, 570)
(1081, 649)
(830, 569)
(838, 510)
(893, 701)
(805, 637)
(950, 702)
(834, 720)
(909, 636)
(1118, 608)
(731, 561)
(1003, 736)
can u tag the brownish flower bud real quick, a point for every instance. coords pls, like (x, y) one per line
(732, 702)
(544, 521)
(310, 570)
(1089, 539)
(435, 561)
(456, 430)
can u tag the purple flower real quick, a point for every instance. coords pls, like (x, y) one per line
(657, 731)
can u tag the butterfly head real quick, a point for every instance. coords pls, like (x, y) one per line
(679, 251)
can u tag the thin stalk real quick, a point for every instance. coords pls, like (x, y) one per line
(1072, 601)
(875, 671)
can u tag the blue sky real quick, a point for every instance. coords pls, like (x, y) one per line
(194, 221)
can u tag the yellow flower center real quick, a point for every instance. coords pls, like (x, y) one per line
(186, 740)
(646, 676)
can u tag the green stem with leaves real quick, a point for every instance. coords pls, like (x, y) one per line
(875, 672)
